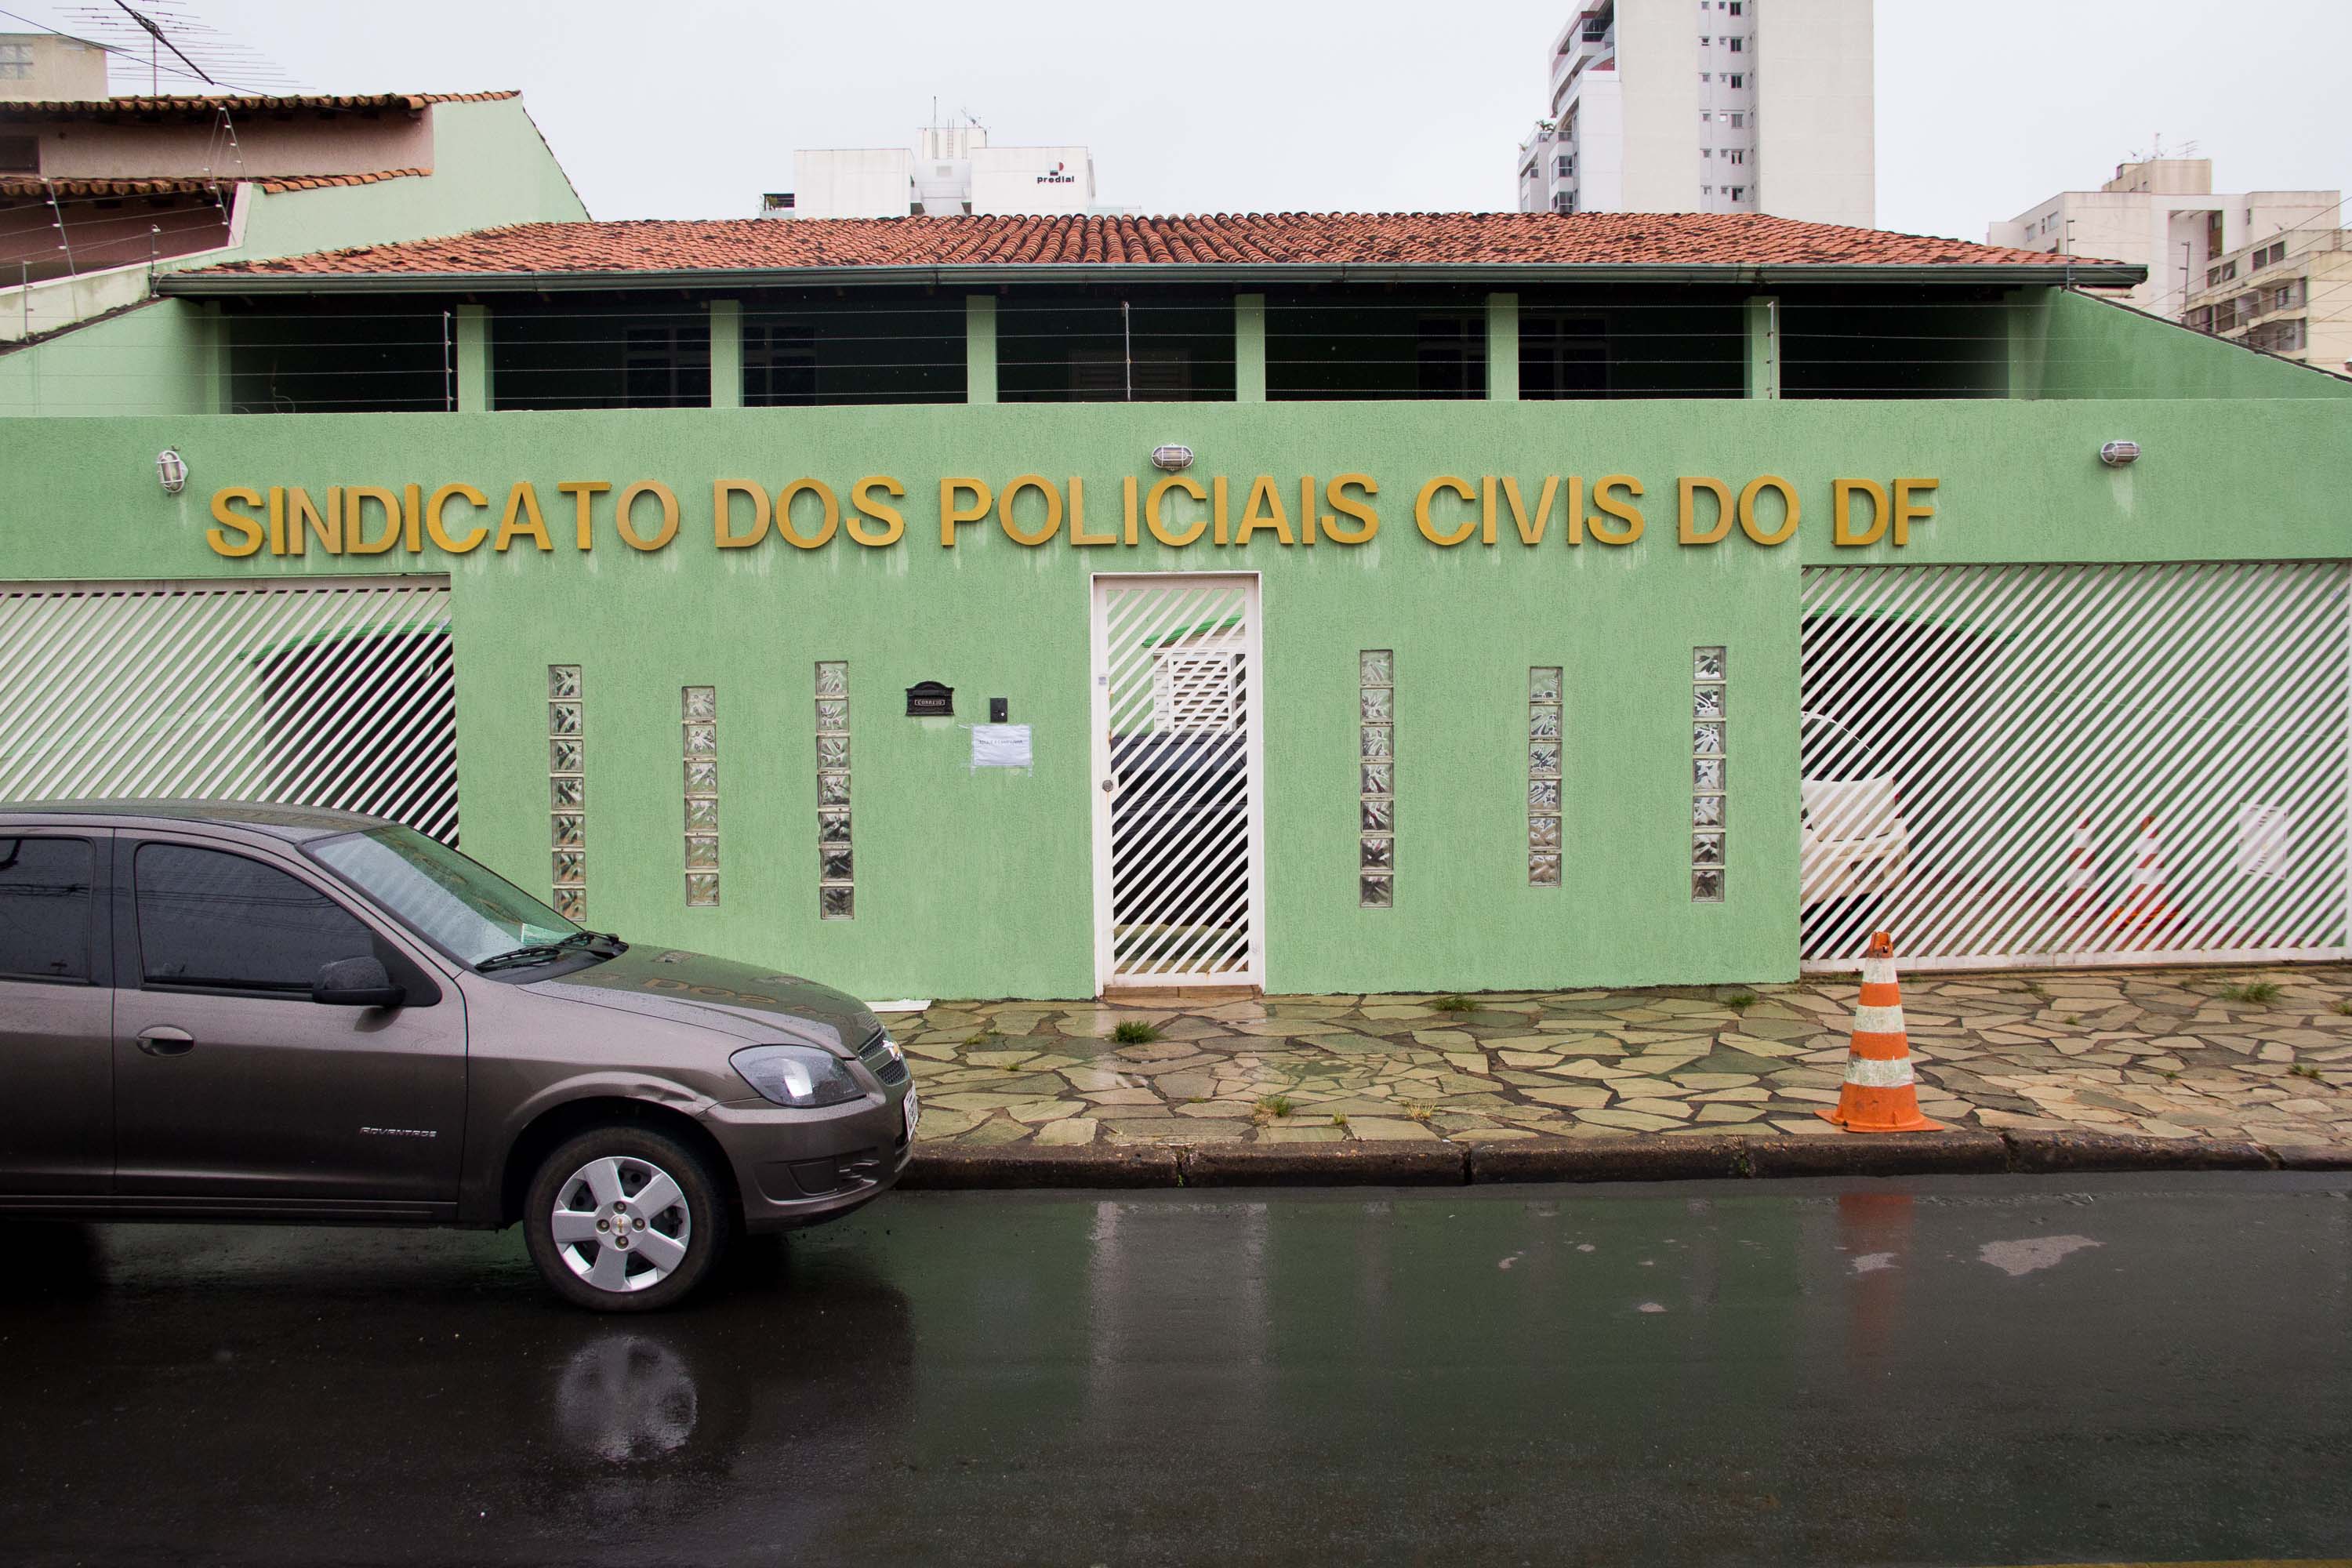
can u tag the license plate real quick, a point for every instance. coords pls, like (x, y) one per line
(914, 1111)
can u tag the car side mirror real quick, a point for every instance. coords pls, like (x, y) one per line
(357, 982)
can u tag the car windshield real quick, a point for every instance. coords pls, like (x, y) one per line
(470, 911)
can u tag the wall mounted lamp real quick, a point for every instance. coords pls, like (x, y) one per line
(172, 469)
(2116, 454)
(1171, 458)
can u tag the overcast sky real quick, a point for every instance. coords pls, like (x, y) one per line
(693, 108)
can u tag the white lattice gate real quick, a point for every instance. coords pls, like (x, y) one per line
(335, 693)
(2021, 765)
(1178, 763)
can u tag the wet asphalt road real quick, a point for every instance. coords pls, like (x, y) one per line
(2001, 1370)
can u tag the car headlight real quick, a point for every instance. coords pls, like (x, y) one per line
(797, 1074)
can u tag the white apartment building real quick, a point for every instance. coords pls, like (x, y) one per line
(951, 169)
(2164, 214)
(1716, 106)
(2290, 294)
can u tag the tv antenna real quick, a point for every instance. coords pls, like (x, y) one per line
(199, 52)
(2157, 151)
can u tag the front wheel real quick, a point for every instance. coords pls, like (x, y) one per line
(624, 1219)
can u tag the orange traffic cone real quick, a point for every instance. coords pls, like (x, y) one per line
(2144, 904)
(1880, 1092)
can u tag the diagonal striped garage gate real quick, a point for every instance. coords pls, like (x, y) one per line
(318, 692)
(2024, 765)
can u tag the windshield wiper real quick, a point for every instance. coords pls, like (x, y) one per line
(549, 952)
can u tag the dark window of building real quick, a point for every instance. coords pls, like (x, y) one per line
(44, 902)
(366, 355)
(1450, 355)
(857, 349)
(1562, 356)
(1347, 341)
(1893, 344)
(1169, 346)
(580, 351)
(20, 155)
(220, 920)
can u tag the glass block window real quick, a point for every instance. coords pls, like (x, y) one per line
(1543, 776)
(1707, 774)
(836, 892)
(1376, 766)
(567, 792)
(698, 743)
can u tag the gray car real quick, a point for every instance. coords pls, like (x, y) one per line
(235, 1012)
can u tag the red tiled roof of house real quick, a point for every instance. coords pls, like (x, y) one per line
(21, 186)
(1234, 239)
(210, 103)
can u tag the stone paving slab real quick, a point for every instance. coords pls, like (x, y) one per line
(2215, 1056)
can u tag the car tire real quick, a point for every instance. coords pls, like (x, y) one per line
(623, 1218)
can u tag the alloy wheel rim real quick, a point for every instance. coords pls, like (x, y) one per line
(621, 1224)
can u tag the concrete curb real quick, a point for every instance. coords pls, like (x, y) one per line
(1378, 1164)
(1896, 1154)
(1629, 1158)
(940, 1167)
(1624, 1158)
(2035, 1151)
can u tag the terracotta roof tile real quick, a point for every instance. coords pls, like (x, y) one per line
(208, 103)
(279, 183)
(22, 187)
(1224, 239)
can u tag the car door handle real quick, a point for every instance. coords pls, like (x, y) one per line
(164, 1040)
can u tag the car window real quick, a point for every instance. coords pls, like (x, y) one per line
(465, 909)
(44, 894)
(213, 918)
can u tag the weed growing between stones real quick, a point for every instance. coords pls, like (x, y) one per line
(2252, 991)
(2342, 1009)
(981, 1038)
(1340, 1121)
(1134, 1032)
(1454, 1004)
(1740, 1001)
(1275, 1106)
(2303, 1069)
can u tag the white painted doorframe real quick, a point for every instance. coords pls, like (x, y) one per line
(1102, 784)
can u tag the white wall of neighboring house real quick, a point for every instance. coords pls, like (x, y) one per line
(1032, 180)
(852, 182)
(1657, 81)
(1815, 111)
(1600, 144)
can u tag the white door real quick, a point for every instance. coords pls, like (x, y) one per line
(1178, 769)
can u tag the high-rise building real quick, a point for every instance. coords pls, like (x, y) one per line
(951, 170)
(1714, 106)
(2163, 215)
(2289, 295)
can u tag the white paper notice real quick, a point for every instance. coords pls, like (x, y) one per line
(1000, 746)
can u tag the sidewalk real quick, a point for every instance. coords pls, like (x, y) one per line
(2185, 1057)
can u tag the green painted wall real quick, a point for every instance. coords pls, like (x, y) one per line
(981, 884)
(2095, 349)
(156, 358)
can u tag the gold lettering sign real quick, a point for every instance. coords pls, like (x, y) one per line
(1178, 512)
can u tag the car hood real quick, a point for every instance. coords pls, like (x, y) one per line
(747, 1000)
